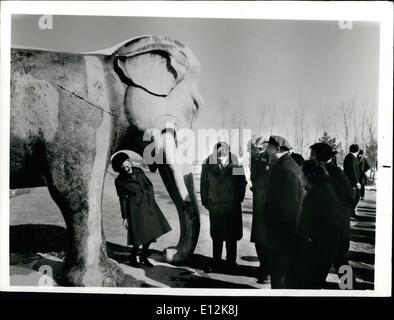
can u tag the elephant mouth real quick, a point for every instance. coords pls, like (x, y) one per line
(168, 121)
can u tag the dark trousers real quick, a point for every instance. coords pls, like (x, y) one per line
(231, 249)
(279, 268)
(261, 251)
(362, 191)
(144, 250)
(356, 199)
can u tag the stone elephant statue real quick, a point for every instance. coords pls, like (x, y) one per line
(71, 112)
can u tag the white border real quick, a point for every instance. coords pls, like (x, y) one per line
(348, 11)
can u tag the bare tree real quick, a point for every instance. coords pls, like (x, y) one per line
(346, 117)
(372, 145)
(363, 123)
(262, 113)
(224, 109)
(353, 108)
(299, 126)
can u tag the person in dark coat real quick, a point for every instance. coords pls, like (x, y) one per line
(323, 152)
(259, 175)
(352, 171)
(297, 157)
(222, 190)
(319, 231)
(282, 205)
(141, 215)
(364, 167)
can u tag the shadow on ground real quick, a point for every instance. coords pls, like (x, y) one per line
(33, 247)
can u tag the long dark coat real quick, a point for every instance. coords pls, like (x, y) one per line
(283, 201)
(319, 235)
(351, 169)
(222, 193)
(364, 166)
(146, 222)
(344, 192)
(259, 177)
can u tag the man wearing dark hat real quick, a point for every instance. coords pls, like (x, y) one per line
(323, 152)
(283, 202)
(352, 171)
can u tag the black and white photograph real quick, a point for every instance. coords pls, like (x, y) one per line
(194, 154)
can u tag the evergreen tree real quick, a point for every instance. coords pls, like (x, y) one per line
(336, 146)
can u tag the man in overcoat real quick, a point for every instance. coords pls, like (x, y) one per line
(352, 171)
(259, 175)
(141, 215)
(364, 167)
(222, 192)
(323, 152)
(283, 203)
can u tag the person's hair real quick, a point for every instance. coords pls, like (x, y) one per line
(323, 151)
(315, 171)
(361, 152)
(354, 148)
(221, 144)
(118, 160)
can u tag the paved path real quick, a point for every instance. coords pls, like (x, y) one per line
(37, 236)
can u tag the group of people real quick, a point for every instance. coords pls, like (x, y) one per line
(301, 209)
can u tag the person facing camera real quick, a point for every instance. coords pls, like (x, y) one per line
(141, 215)
(222, 190)
(320, 231)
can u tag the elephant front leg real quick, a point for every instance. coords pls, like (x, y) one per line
(87, 263)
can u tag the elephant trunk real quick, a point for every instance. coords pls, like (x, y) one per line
(179, 181)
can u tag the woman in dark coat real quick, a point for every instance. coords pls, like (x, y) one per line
(320, 230)
(141, 215)
(222, 191)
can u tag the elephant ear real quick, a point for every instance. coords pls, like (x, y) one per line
(154, 72)
(155, 63)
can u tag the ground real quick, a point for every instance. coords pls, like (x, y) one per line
(37, 235)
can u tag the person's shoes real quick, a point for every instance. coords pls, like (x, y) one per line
(232, 267)
(212, 268)
(145, 262)
(133, 262)
(264, 278)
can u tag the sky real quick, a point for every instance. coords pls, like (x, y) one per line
(272, 75)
